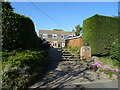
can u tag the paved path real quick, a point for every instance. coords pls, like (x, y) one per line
(66, 74)
(113, 84)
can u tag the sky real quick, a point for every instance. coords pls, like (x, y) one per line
(63, 15)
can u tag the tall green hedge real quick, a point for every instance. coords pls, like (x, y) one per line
(20, 67)
(100, 32)
(18, 31)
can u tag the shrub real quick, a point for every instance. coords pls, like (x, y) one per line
(114, 51)
(99, 32)
(19, 68)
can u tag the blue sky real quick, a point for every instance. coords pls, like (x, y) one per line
(68, 14)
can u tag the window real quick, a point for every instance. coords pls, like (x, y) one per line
(58, 35)
(44, 35)
(65, 36)
(49, 35)
(55, 43)
(54, 35)
(62, 36)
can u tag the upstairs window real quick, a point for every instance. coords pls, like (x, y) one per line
(65, 36)
(54, 35)
(49, 35)
(58, 35)
(62, 36)
(41, 35)
(44, 35)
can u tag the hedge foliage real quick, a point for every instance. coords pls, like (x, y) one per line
(21, 67)
(100, 32)
(24, 55)
(18, 31)
(114, 51)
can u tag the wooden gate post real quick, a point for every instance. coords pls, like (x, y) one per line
(85, 52)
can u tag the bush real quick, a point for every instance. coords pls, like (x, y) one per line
(114, 51)
(19, 68)
(99, 32)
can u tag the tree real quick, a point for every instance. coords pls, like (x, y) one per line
(6, 9)
(78, 30)
(57, 30)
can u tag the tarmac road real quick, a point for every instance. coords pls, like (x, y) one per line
(111, 85)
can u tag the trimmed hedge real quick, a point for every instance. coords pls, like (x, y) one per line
(100, 32)
(19, 68)
(18, 32)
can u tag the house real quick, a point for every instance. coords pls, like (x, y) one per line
(74, 42)
(56, 38)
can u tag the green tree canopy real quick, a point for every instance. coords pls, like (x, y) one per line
(78, 30)
(57, 30)
(6, 9)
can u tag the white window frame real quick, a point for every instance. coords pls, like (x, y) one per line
(54, 35)
(49, 34)
(66, 36)
(46, 36)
